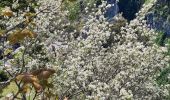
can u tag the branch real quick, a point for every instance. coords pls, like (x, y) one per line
(22, 24)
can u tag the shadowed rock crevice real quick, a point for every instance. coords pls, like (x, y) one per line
(129, 8)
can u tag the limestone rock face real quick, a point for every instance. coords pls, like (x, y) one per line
(112, 10)
(127, 7)
(159, 17)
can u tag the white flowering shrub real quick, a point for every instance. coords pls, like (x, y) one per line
(87, 69)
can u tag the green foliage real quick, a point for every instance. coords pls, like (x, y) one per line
(168, 42)
(163, 79)
(161, 10)
(4, 3)
(158, 41)
(10, 88)
(147, 1)
(3, 76)
(74, 11)
(159, 37)
(75, 7)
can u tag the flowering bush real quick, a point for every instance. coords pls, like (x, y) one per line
(86, 68)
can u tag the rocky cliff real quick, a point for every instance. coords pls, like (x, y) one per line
(159, 17)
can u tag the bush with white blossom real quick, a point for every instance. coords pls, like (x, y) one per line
(87, 69)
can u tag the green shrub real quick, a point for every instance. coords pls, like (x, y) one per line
(3, 76)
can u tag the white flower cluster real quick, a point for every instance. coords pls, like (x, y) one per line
(86, 70)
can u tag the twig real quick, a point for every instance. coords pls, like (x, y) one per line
(34, 96)
(21, 24)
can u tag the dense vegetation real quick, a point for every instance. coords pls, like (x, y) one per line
(84, 50)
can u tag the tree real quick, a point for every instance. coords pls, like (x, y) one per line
(82, 67)
(17, 36)
(86, 70)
